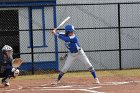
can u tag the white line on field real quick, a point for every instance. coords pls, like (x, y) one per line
(117, 83)
(95, 87)
(136, 81)
(11, 90)
(19, 88)
(91, 91)
(54, 87)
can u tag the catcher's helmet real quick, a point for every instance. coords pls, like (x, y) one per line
(69, 28)
(6, 48)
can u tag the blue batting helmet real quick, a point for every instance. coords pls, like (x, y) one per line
(69, 28)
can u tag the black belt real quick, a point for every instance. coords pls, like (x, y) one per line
(75, 51)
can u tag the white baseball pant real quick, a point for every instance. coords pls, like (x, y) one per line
(80, 55)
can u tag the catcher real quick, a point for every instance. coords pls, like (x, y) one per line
(6, 66)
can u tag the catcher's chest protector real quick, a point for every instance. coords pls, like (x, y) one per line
(4, 63)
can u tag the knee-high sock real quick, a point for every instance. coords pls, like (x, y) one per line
(92, 71)
(60, 75)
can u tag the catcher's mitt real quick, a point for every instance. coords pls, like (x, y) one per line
(16, 62)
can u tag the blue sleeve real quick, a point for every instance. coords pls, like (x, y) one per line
(62, 34)
(64, 38)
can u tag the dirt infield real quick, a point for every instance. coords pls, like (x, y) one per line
(75, 85)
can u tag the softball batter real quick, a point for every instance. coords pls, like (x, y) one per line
(74, 52)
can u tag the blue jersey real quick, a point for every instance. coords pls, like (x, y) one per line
(71, 42)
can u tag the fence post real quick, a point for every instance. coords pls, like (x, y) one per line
(56, 43)
(31, 37)
(119, 32)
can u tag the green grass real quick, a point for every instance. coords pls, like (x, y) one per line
(121, 73)
(105, 73)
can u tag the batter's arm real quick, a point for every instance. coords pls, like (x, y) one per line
(62, 37)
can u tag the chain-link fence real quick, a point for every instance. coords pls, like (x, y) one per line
(108, 33)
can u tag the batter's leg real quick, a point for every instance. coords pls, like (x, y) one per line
(83, 58)
(92, 71)
(65, 68)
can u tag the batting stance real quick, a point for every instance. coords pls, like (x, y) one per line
(74, 52)
(6, 69)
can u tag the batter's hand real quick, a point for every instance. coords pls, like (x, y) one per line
(54, 31)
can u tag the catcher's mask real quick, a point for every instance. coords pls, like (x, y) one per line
(6, 49)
